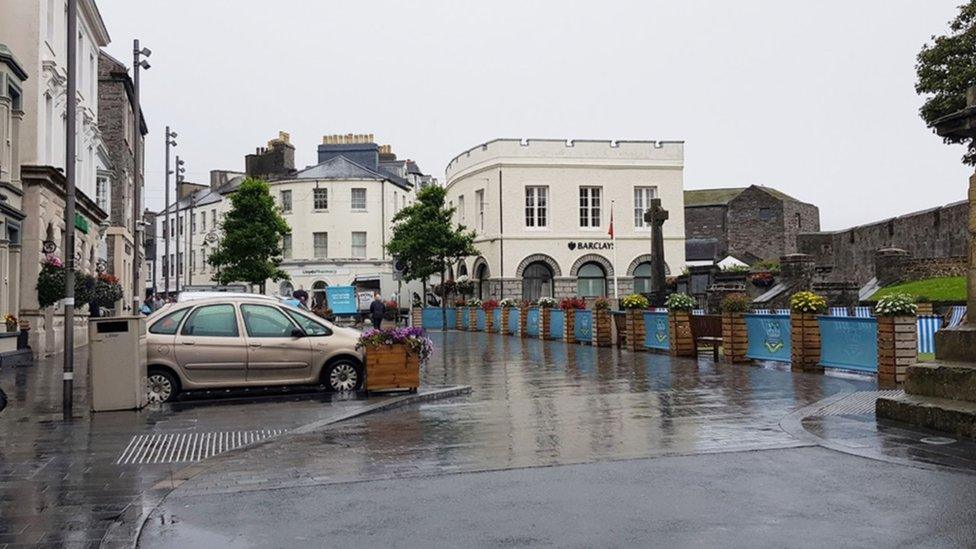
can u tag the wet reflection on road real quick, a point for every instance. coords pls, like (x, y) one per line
(538, 403)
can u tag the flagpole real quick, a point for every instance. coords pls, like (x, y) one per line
(613, 238)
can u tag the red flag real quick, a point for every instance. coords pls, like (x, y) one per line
(610, 232)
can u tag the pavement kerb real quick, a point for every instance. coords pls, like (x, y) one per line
(126, 532)
(793, 425)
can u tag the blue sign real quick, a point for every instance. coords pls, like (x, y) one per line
(532, 323)
(513, 321)
(656, 334)
(557, 324)
(465, 317)
(480, 320)
(496, 320)
(342, 299)
(583, 326)
(850, 343)
(769, 337)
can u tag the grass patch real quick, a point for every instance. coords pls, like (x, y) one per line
(951, 288)
(926, 357)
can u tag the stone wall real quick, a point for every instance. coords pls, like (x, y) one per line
(934, 267)
(707, 222)
(938, 233)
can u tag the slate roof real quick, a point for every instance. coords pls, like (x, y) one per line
(340, 167)
(721, 197)
(204, 197)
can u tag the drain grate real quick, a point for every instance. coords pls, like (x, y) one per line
(861, 402)
(188, 447)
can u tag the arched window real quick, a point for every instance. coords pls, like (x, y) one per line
(642, 278)
(462, 270)
(482, 275)
(318, 294)
(591, 280)
(285, 289)
(536, 281)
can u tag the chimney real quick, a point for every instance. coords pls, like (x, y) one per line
(274, 161)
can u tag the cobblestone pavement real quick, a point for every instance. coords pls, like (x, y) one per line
(59, 481)
(537, 404)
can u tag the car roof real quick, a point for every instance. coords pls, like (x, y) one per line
(196, 296)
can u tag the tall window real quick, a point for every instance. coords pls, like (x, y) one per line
(589, 206)
(359, 245)
(320, 199)
(460, 210)
(642, 203)
(203, 222)
(286, 246)
(320, 245)
(591, 281)
(359, 199)
(213, 218)
(479, 203)
(537, 281)
(642, 278)
(101, 193)
(536, 206)
(203, 259)
(285, 201)
(193, 224)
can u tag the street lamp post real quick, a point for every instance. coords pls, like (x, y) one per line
(168, 225)
(180, 181)
(68, 373)
(177, 229)
(137, 243)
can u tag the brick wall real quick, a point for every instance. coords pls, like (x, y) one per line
(938, 233)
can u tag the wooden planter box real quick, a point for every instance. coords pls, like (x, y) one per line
(506, 314)
(545, 321)
(417, 317)
(489, 320)
(602, 330)
(391, 367)
(735, 337)
(897, 348)
(634, 326)
(458, 311)
(569, 325)
(924, 309)
(472, 319)
(679, 331)
(805, 341)
(523, 314)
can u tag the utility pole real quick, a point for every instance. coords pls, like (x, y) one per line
(190, 228)
(168, 225)
(137, 242)
(68, 375)
(179, 227)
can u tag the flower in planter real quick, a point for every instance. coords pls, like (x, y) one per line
(680, 302)
(460, 303)
(526, 303)
(474, 303)
(546, 303)
(464, 286)
(572, 303)
(108, 291)
(896, 305)
(736, 303)
(635, 301)
(414, 338)
(763, 279)
(489, 305)
(509, 303)
(601, 304)
(808, 302)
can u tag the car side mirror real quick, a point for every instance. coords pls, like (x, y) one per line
(297, 332)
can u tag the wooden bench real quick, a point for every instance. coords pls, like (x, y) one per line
(706, 330)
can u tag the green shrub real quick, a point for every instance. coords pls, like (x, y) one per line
(736, 303)
(680, 302)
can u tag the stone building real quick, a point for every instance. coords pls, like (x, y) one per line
(37, 32)
(115, 121)
(12, 78)
(934, 234)
(149, 249)
(541, 212)
(749, 223)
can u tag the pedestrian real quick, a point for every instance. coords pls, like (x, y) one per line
(301, 295)
(377, 310)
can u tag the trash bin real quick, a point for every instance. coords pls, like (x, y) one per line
(117, 363)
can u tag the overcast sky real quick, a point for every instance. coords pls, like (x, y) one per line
(813, 98)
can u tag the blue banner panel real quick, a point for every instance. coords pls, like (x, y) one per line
(480, 320)
(583, 326)
(769, 337)
(342, 299)
(656, 331)
(465, 317)
(532, 323)
(496, 320)
(431, 319)
(850, 343)
(557, 323)
(513, 321)
(450, 318)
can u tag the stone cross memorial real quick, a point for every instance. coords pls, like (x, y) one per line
(656, 216)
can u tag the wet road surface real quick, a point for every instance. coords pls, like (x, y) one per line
(534, 405)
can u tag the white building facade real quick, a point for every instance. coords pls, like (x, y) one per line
(541, 210)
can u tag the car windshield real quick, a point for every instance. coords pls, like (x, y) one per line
(311, 327)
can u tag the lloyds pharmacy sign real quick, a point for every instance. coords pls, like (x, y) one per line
(594, 245)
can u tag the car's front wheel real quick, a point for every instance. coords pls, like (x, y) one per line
(161, 386)
(343, 375)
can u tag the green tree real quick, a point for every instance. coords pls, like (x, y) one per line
(250, 250)
(946, 68)
(425, 239)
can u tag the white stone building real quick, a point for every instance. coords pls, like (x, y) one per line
(36, 31)
(541, 210)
